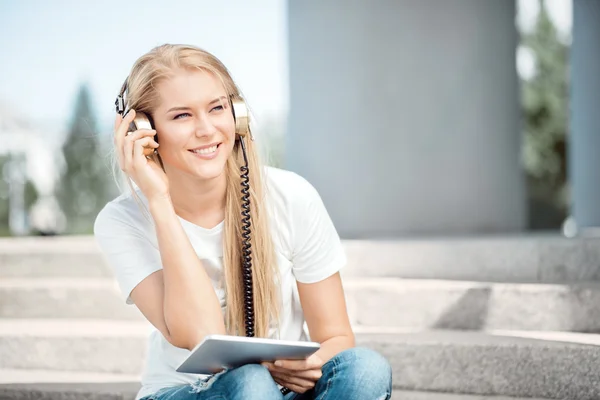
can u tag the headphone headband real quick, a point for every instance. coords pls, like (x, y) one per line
(240, 112)
(120, 102)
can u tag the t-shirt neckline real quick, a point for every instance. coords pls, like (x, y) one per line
(207, 231)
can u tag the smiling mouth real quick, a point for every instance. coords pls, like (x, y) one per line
(207, 150)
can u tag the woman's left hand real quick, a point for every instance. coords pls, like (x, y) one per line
(297, 375)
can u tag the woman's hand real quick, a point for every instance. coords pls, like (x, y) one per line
(146, 174)
(297, 375)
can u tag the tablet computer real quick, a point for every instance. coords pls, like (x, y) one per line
(216, 352)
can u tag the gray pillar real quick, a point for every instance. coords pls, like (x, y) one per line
(404, 114)
(584, 149)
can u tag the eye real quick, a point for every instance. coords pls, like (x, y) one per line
(179, 115)
(217, 108)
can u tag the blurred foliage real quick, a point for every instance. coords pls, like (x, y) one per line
(272, 140)
(4, 194)
(545, 104)
(31, 194)
(86, 185)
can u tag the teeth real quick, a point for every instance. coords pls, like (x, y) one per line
(207, 150)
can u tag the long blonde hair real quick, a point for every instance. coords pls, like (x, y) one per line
(159, 64)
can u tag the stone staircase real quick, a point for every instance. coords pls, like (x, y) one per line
(457, 319)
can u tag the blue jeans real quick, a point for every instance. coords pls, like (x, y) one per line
(354, 374)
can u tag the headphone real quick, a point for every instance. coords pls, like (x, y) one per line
(143, 121)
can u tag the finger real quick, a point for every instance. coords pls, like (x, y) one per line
(131, 138)
(300, 365)
(122, 129)
(311, 374)
(293, 387)
(295, 379)
(127, 155)
(139, 158)
(139, 134)
(118, 120)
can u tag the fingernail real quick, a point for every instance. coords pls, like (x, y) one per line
(278, 363)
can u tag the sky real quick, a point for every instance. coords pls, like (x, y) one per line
(52, 47)
(49, 48)
(57, 45)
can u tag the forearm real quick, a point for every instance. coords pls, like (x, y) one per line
(191, 307)
(335, 345)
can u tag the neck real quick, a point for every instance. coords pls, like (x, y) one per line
(201, 202)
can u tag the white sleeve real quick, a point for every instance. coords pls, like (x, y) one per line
(126, 248)
(317, 250)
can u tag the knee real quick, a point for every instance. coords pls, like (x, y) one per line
(366, 368)
(253, 381)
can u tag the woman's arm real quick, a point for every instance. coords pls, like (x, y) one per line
(326, 315)
(181, 297)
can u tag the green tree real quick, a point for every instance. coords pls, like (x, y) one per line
(4, 229)
(545, 103)
(30, 192)
(86, 184)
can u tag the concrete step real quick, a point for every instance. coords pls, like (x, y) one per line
(46, 257)
(64, 298)
(33, 376)
(27, 384)
(424, 304)
(127, 391)
(70, 391)
(436, 304)
(73, 345)
(412, 395)
(522, 258)
(484, 364)
(555, 366)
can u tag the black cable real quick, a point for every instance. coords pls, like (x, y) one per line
(246, 246)
(247, 250)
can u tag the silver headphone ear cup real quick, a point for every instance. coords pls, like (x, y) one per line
(141, 121)
(241, 116)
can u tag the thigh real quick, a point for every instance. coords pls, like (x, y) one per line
(199, 390)
(249, 382)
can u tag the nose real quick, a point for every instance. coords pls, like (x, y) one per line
(204, 127)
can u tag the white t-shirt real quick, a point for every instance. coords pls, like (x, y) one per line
(307, 247)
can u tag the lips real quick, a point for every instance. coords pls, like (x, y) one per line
(206, 152)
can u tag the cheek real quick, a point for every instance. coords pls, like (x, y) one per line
(172, 137)
(227, 130)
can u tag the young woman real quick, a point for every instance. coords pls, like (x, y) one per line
(179, 243)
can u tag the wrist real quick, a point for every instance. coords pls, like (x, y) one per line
(160, 203)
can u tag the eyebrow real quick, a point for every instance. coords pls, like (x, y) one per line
(187, 108)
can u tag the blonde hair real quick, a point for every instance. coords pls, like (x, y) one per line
(159, 64)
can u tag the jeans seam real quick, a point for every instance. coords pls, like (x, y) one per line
(329, 380)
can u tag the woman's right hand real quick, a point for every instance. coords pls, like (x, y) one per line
(146, 173)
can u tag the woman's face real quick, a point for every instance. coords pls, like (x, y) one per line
(194, 124)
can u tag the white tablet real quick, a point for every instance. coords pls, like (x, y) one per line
(216, 352)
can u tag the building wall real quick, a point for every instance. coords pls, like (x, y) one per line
(405, 114)
(584, 149)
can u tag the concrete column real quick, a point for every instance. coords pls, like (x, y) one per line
(404, 114)
(584, 149)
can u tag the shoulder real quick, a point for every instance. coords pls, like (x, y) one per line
(126, 212)
(289, 187)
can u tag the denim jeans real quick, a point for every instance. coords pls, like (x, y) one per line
(354, 374)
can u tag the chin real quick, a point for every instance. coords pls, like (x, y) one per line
(210, 170)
